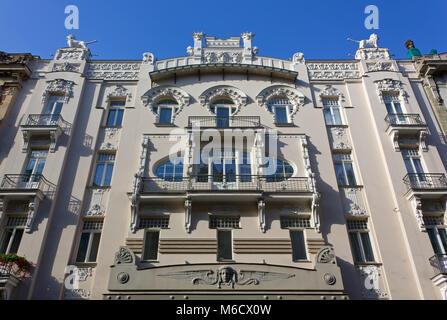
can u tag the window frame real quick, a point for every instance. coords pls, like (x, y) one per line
(357, 233)
(230, 231)
(297, 229)
(145, 245)
(278, 102)
(119, 111)
(343, 162)
(12, 239)
(328, 106)
(91, 234)
(106, 164)
(179, 161)
(171, 104)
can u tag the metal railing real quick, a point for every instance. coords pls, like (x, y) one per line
(24, 182)
(225, 183)
(439, 263)
(225, 122)
(404, 119)
(44, 120)
(426, 181)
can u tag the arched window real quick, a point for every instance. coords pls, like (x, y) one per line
(283, 170)
(165, 110)
(282, 109)
(223, 109)
(226, 167)
(171, 170)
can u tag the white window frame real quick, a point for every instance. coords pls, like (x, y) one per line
(104, 173)
(166, 104)
(358, 233)
(275, 102)
(328, 105)
(112, 107)
(342, 162)
(14, 231)
(91, 233)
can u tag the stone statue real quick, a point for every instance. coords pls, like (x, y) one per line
(73, 43)
(373, 41)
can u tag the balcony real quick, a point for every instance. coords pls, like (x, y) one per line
(439, 264)
(23, 184)
(46, 126)
(428, 185)
(225, 122)
(406, 125)
(234, 187)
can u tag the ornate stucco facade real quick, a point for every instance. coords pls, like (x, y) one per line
(324, 179)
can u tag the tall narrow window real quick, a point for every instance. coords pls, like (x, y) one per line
(332, 113)
(35, 166)
(152, 225)
(116, 112)
(89, 243)
(104, 170)
(436, 230)
(296, 227)
(165, 111)
(282, 109)
(223, 109)
(12, 235)
(344, 170)
(224, 227)
(360, 242)
(394, 108)
(53, 109)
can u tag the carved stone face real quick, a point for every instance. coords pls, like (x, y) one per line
(226, 275)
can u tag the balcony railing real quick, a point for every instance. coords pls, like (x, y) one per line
(225, 122)
(439, 263)
(225, 183)
(426, 181)
(24, 182)
(44, 120)
(405, 119)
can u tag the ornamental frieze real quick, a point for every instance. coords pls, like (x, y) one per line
(113, 71)
(333, 71)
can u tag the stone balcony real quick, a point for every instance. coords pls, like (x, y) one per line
(408, 126)
(43, 126)
(426, 185)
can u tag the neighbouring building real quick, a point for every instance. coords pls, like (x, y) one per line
(224, 174)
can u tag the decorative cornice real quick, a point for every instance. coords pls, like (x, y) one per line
(238, 97)
(333, 71)
(113, 71)
(119, 92)
(390, 85)
(331, 92)
(72, 54)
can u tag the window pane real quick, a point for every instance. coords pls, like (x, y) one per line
(5, 240)
(328, 116)
(389, 108)
(434, 241)
(340, 174)
(281, 114)
(443, 235)
(94, 247)
(337, 116)
(119, 118)
(16, 241)
(111, 118)
(108, 177)
(367, 248)
(355, 247)
(83, 246)
(298, 245)
(350, 173)
(224, 245)
(151, 245)
(98, 174)
(165, 115)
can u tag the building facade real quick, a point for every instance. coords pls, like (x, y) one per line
(224, 175)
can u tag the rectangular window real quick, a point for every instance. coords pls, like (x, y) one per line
(12, 235)
(154, 223)
(104, 170)
(281, 114)
(295, 222)
(116, 113)
(360, 241)
(332, 113)
(344, 170)
(437, 233)
(224, 245)
(151, 241)
(298, 245)
(224, 222)
(165, 115)
(89, 243)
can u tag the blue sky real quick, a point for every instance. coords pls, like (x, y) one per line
(128, 28)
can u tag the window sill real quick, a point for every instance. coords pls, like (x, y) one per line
(302, 261)
(111, 127)
(86, 264)
(168, 125)
(337, 126)
(284, 124)
(100, 187)
(150, 261)
(357, 186)
(226, 261)
(365, 264)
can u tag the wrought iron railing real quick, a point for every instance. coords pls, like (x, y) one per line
(426, 181)
(24, 182)
(404, 119)
(439, 263)
(225, 183)
(44, 120)
(225, 122)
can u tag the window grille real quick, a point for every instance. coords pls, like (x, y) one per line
(434, 220)
(295, 222)
(388, 98)
(342, 157)
(224, 222)
(330, 102)
(154, 223)
(357, 225)
(14, 222)
(93, 225)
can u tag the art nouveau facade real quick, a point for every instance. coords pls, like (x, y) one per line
(224, 174)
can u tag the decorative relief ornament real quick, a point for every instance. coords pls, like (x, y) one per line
(380, 66)
(77, 294)
(124, 256)
(373, 54)
(97, 209)
(148, 58)
(157, 94)
(113, 71)
(298, 58)
(333, 71)
(58, 86)
(65, 67)
(390, 85)
(72, 54)
(354, 207)
(370, 278)
(226, 276)
(326, 255)
(238, 97)
(119, 92)
(295, 97)
(331, 92)
(111, 132)
(107, 146)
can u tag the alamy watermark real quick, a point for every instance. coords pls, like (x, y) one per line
(372, 20)
(72, 20)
